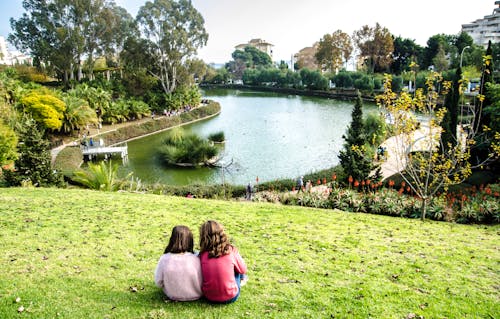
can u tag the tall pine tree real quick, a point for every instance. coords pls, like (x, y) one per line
(353, 157)
(486, 77)
(450, 122)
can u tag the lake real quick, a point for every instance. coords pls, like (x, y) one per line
(268, 135)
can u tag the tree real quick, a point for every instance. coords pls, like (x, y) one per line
(450, 121)
(257, 58)
(59, 33)
(313, 80)
(174, 30)
(353, 157)
(250, 57)
(425, 165)
(33, 164)
(8, 143)
(440, 61)
(434, 45)
(49, 31)
(104, 27)
(375, 45)
(306, 58)
(484, 107)
(78, 114)
(334, 50)
(405, 52)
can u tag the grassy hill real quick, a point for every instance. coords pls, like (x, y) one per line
(85, 254)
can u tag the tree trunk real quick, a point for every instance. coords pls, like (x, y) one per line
(423, 208)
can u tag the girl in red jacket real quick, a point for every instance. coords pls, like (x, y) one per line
(222, 267)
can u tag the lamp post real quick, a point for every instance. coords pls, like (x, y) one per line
(462, 54)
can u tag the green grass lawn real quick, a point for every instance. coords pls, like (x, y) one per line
(85, 254)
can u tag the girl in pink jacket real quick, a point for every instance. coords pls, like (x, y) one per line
(179, 271)
(222, 267)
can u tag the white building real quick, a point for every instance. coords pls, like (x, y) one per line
(260, 44)
(11, 57)
(486, 29)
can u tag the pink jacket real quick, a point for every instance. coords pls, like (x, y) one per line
(218, 275)
(179, 275)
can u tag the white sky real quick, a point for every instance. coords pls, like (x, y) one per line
(291, 25)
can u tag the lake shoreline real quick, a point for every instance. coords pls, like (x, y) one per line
(337, 94)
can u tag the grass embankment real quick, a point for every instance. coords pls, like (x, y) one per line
(84, 254)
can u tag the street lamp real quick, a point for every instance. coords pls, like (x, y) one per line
(462, 54)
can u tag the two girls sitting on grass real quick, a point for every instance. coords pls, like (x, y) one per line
(217, 273)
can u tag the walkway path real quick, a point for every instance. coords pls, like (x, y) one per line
(398, 147)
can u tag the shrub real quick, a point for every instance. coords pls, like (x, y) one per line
(397, 83)
(186, 148)
(102, 176)
(364, 83)
(375, 128)
(217, 137)
(343, 80)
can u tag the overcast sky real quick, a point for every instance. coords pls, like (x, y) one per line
(291, 25)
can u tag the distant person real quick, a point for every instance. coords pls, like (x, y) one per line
(300, 184)
(249, 192)
(179, 271)
(222, 267)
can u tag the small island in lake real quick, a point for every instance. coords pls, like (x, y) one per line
(188, 150)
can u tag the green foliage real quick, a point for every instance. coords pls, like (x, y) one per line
(183, 96)
(33, 164)
(78, 114)
(46, 108)
(186, 149)
(374, 129)
(343, 79)
(313, 80)
(30, 74)
(98, 99)
(101, 176)
(277, 78)
(492, 112)
(397, 83)
(217, 137)
(450, 121)
(8, 144)
(174, 31)
(122, 110)
(354, 158)
(405, 52)
(364, 83)
(252, 57)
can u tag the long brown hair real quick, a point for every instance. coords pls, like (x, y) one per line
(181, 240)
(213, 239)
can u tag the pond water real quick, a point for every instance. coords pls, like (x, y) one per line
(268, 135)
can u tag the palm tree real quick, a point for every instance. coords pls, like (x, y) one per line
(100, 176)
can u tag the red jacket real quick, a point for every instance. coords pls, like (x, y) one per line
(219, 283)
